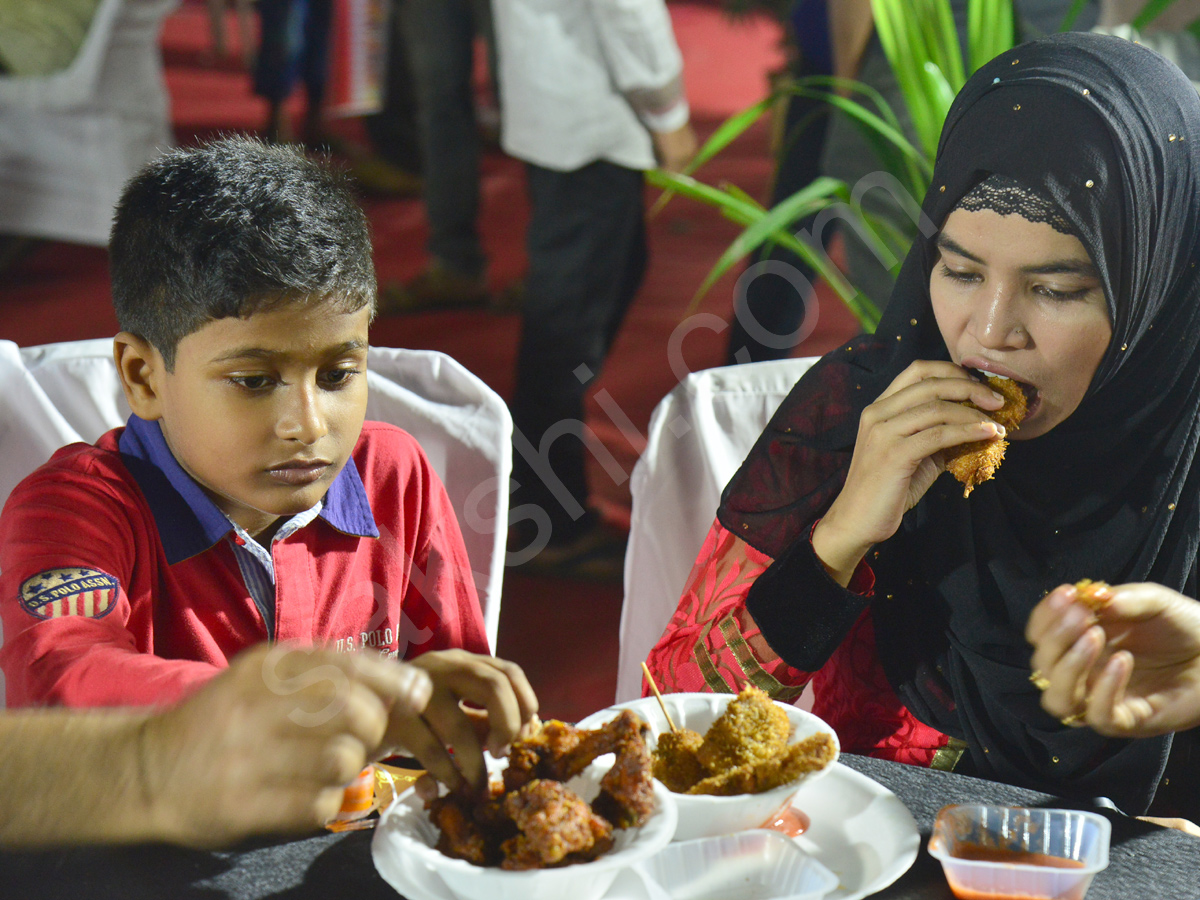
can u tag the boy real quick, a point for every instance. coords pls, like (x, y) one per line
(245, 500)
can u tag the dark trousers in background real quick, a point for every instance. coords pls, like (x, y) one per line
(768, 316)
(293, 44)
(440, 44)
(587, 256)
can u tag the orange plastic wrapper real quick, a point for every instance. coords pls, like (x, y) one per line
(373, 790)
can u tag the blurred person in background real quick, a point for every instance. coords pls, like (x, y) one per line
(592, 95)
(293, 46)
(439, 41)
(769, 316)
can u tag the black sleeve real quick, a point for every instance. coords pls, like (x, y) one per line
(803, 613)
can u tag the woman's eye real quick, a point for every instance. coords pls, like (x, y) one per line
(1054, 294)
(963, 277)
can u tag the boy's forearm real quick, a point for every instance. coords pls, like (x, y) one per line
(72, 777)
(90, 665)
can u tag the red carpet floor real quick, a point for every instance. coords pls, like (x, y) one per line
(563, 633)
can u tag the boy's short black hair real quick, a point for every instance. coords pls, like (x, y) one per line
(232, 228)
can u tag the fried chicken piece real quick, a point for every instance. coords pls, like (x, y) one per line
(1088, 591)
(753, 728)
(555, 824)
(975, 462)
(626, 795)
(675, 763)
(813, 753)
(528, 759)
(461, 836)
(532, 820)
(559, 751)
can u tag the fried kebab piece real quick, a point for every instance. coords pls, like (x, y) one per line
(744, 752)
(975, 462)
(555, 827)
(675, 762)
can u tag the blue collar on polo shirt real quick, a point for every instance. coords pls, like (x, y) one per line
(189, 522)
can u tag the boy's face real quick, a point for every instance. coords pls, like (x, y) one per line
(263, 412)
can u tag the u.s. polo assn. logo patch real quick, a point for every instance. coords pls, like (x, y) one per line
(69, 592)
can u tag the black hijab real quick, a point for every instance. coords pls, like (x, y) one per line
(1110, 131)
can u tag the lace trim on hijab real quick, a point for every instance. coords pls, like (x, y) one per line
(1007, 196)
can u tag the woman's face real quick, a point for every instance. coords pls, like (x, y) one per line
(1019, 299)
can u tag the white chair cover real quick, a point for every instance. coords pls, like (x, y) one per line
(59, 393)
(70, 141)
(699, 435)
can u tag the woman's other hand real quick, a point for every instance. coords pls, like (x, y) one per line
(898, 455)
(1129, 669)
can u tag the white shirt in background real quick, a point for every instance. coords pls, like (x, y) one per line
(584, 80)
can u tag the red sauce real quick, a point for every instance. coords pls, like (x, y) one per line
(976, 853)
(789, 821)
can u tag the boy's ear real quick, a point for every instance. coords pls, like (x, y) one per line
(141, 369)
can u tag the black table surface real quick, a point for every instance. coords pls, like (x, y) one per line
(1145, 862)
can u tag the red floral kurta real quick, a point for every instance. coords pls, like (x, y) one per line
(713, 644)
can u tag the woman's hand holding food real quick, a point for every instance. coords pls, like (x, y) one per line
(1128, 668)
(898, 455)
(447, 738)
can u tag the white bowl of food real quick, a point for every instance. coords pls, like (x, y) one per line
(405, 854)
(705, 815)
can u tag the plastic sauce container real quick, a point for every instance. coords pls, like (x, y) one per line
(1019, 853)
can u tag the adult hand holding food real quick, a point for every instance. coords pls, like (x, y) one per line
(266, 746)
(898, 455)
(269, 744)
(1128, 668)
(449, 738)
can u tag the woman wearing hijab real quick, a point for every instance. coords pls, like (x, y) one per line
(1062, 253)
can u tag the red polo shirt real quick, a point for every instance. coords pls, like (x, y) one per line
(119, 584)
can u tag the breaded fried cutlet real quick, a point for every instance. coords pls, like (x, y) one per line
(675, 762)
(1093, 594)
(753, 728)
(975, 462)
(809, 755)
(813, 753)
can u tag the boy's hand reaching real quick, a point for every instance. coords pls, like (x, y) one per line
(269, 744)
(447, 738)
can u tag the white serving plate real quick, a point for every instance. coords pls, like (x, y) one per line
(859, 830)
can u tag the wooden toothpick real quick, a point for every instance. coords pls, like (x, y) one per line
(654, 687)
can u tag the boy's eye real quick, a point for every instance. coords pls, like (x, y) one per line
(336, 378)
(252, 382)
